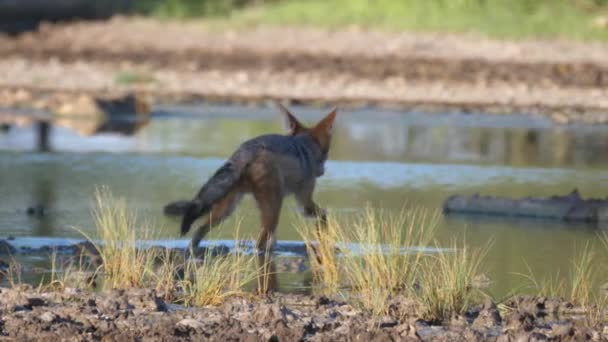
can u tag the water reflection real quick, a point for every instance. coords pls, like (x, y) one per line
(42, 127)
(42, 202)
(360, 135)
(408, 141)
(43, 130)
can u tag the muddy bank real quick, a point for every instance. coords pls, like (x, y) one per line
(42, 313)
(177, 62)
(142, 314)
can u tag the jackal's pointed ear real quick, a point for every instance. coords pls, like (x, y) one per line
(293, 125)
(322, 131)
(327, 123)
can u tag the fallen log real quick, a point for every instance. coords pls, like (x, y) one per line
(569, 208)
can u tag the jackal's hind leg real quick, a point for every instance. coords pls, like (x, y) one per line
(270, 203)
(219, 212)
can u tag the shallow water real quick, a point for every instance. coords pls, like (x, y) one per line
(378, 158)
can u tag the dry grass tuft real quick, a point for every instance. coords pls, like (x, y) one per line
(215, 278)
(446, 282)
(385, 262)
(321, 244)
(582, 288)
(124, 264)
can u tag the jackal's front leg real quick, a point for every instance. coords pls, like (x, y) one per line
(311, 209)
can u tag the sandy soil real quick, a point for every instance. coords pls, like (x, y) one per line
(173, 61)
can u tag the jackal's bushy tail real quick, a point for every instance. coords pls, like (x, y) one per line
(218, 186)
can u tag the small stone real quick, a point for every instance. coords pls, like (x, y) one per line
(520, 321)
(47, 317)
(488, 316)
(190, 324)
(503, 338)
(458, 322)
(72, 291)
(388, 322)
(561, 331)
(536, 336)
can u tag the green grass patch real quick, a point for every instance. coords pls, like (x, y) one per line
(133, 77)
(576, 19)
(189, 8)
(495, 18)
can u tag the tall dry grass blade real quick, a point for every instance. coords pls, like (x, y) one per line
(67, 275)
(582, 277)
(552, 286)
(582, 289)
(124, 264)
(321, 246)
(389, 256)
(14, 273)
(446, 283)
(267, 273)
(166, 273)
(215, 278)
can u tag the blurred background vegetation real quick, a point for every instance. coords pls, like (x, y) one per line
(580, 19)
(577, 19)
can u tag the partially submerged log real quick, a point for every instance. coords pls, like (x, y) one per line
(569, 208)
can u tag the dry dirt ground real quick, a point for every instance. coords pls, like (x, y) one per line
(70, 314)
(141, 315)
(172, 61)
